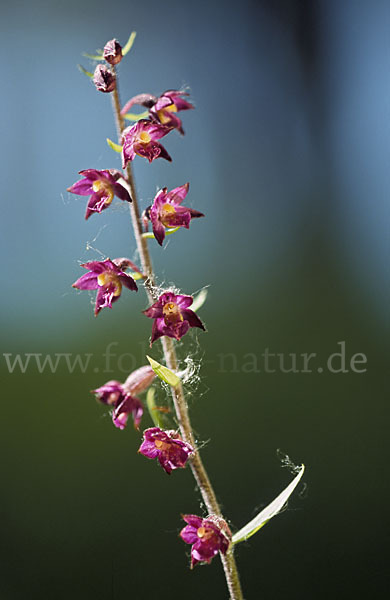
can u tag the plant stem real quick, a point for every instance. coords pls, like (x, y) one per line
(179, 401)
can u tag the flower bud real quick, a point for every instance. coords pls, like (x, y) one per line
(138, 381)
(113, 52)
(104, 80)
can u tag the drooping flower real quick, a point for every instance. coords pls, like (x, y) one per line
(102, 186)
(141, 138)
(167, 212)
(172, 317)
(112, 52)
(104, 79)
(123, 397)
(130, 405)
(208, 537)
(110, 392)
(167, 446)
(166, 107)
(163, 109)
(105, 277)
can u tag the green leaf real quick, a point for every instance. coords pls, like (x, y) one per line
(268, 512)
(127, 47)
(152, 408)
(87, 73)
(164, 373)
(199, 300)
(134, 117)
(94, 56)
(114, 146)
(150, 235)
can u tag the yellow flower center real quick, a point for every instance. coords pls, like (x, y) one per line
(144, 137)
(172, 313)
(163, 117)
(167, 212)
(160, 445)
(103, 186)
(105, 279)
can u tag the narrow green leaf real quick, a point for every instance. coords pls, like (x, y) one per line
(163, 372)
(134, 117)
(199, 300)
(87, 73)
(268, 512)
(151, 404)
(150, 235)
(114, 146)
(127, 47)
(94, 56)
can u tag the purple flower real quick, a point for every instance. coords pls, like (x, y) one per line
(112, 52)
(166, 107)
(107, 279)
(104, 79)
(208, 537)
(130, 405)
(172, 316)
(102, 186)
(122, 397)
(167, 212)
(167, 446)
(141, 139)
(162, 109)
(110, 393)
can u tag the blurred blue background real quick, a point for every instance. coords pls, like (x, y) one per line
(287, 155)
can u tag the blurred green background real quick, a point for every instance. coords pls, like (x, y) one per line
(287, 155)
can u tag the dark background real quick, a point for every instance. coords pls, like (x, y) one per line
(287, 154)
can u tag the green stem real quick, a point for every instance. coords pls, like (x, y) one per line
(179, 401)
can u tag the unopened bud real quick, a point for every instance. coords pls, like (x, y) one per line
(103, 79)
(113, 52)
(138, 381)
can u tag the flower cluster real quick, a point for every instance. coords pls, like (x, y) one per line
(163, 109)
(142, 137)
(171, 313)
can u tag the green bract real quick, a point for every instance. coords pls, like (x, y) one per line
(164, 373)
(268, 512)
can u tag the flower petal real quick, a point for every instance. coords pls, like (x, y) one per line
(158, 231)
(82, 187)
(193, 319)
(87, 282)
(121, 192)
(177, 195)
(128, 282)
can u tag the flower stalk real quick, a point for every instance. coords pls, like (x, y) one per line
(178, 396)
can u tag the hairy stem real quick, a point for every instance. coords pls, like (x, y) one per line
(179, 401)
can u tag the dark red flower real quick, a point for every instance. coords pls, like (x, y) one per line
(167, 446)
(208, 537)
(172, 317)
